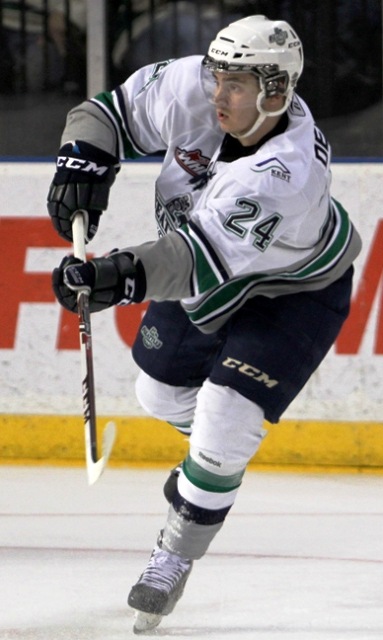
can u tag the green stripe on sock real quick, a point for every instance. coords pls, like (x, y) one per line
(209, 481)
(181, 425)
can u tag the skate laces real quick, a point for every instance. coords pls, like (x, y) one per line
(164, 570)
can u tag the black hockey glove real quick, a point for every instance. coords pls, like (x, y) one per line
(116, 279)
(84, 175)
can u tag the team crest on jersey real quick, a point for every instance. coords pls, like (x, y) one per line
(192, 161)
(275, 166)
(171, 214)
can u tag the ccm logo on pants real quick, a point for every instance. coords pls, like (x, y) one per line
(252, 372)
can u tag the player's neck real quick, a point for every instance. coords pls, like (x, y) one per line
(265, 128)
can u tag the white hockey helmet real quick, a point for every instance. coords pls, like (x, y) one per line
(268, 48)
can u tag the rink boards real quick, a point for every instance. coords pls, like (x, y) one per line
(337, 420)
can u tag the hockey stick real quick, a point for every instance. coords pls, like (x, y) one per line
(95, 466)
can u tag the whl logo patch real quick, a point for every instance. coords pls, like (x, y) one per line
(192, 161)
(150, 338)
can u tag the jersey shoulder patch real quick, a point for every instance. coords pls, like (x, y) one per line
(275, 167)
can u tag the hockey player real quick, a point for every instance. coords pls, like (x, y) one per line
(250, 279)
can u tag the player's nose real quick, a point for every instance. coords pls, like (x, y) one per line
(220, 97)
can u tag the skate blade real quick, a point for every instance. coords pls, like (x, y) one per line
(144, 622)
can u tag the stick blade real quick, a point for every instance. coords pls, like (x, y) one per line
(95, 469)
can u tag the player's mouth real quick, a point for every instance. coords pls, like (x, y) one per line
(221, 116)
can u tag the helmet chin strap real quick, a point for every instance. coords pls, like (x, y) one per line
(262, 115)
(261, 118)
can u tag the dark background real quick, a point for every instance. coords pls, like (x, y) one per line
(342, 78)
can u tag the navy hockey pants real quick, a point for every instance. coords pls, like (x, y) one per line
(267, 351)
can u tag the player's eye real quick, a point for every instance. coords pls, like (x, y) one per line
(234, 87)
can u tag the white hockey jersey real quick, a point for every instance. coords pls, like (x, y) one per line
(259, 223)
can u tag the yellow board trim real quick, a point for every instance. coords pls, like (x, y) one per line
(147, 441)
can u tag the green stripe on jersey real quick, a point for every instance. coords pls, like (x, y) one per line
(106, 99)
(208, 481)
(230, 294)
(332, 252)
(206, 274)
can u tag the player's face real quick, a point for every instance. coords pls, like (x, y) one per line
(235, 98)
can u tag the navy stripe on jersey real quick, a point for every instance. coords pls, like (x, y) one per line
(214, 257)
(191, 279)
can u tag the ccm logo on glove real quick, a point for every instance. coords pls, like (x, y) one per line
(84, 175)
(81, 165)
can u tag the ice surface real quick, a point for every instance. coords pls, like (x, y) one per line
(300, 557)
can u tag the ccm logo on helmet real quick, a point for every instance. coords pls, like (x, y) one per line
(77, 164)
(219, 52)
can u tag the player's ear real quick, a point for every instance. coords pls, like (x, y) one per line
(274, 103)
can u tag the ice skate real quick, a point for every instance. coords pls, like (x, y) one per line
(144, 622)
(158, 589)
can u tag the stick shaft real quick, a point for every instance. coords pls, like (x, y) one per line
(86, 347)
(78, 231)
